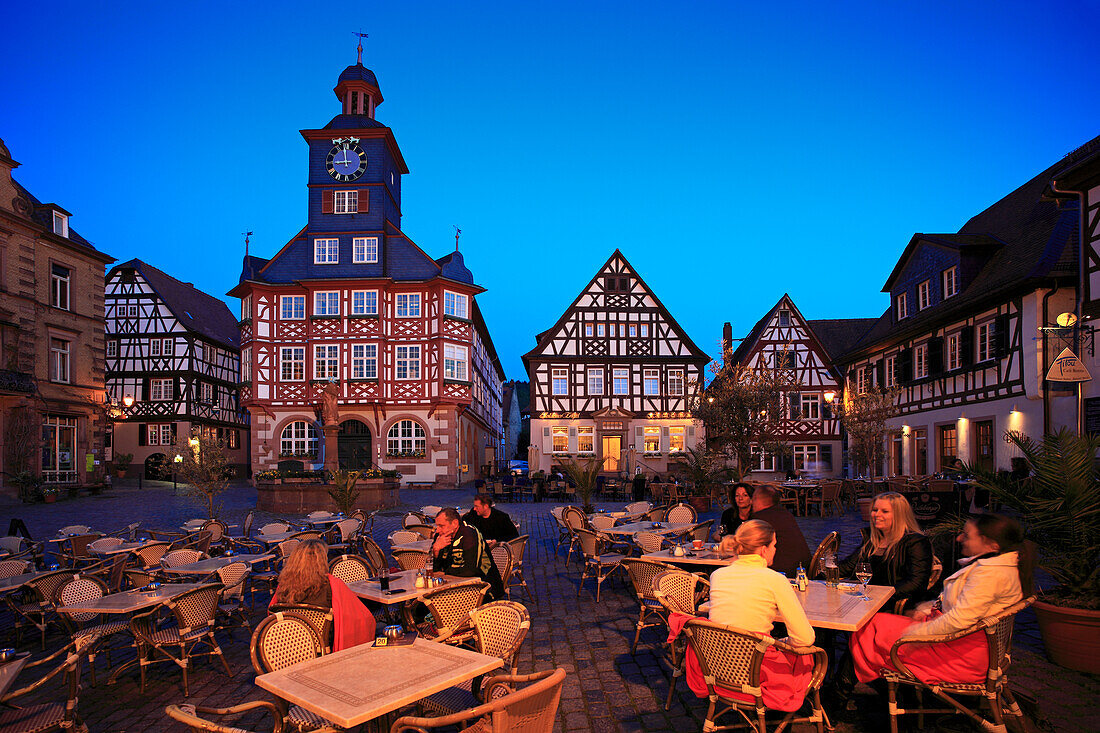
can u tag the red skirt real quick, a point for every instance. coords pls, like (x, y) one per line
(783, 677)
(962, 660)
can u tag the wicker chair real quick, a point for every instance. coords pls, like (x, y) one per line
(519, 549)
(269, 578)
(74, 553)
(188, 715)
(33, 605)
(11, 568)
(231, 608)
(574, 519)
(817, 563)
(372, 551)
(657, 514)
(403, 537)
(649, 542)
(827, 499)
(350, 568)
(682, 514)
(499, 629)
(175, 558)
(194, 612)
(998, 636)
(410, 559)
(414, 518)
(104, 543)
(598, 564)
(147, 557)
(564, 535)
(602, 522)
(450, 607)
(50, 716)
(320, 619)
(937, 570)
(529, 710)
(366, 519)
(280, 640)
(274, 528)
(97, 626)
(641, 573)
(424, 531)
(219, 533)
(306, 534)
(344, 534)
(132, 579)
(319, 514)
(75, 529)
(502, 558)
(679, 591)
(700, 531)
(730, 661)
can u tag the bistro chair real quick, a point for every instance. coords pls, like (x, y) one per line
(188, 715)
(519, 549)
(33, 605)
(306, 534)
(574, 519)
(320, 619)
(319, 514)
(789, 499)
(50, 716)
(598, 563)
(11, 568)
(344, 534)
(133, 578)
(411, 559)
(531, 709)
(679, 591)
(641, 573)
(113, 572)
(502, 558)
(269, 578)
(99, 626)
(280, 640)
(430, 511)
(937, 570)
(682, 514)
(449, 609)
(826, 499)
(730, 660)
(175, 558)
(403, 537)
(75, 529)
(350, 568)
(998, 636)
(193, 612)
(638, 508)
(104, 543)
(564, 534)
(231, 609)
(12, 544)
(831, 543)
(649, 542)
(602, 522)
(424, 531)
(657, 514)
(372, 551)
(147, 557)
(366, 519)
(219, 533)
(499, 630)
(274, 528)
(414, 518)
(74, 553)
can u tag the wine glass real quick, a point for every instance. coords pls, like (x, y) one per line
(863, 574)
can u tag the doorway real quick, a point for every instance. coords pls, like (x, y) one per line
(983, 444)
(612, 449)
(353, 445)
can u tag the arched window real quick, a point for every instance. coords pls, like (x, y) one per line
(299, 438)
(406, 439)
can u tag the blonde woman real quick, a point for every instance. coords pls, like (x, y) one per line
(898, 552)
(304, 580)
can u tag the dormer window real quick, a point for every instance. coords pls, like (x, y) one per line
(60, 224)
(902, 307)
(950, 282)
(924, 295)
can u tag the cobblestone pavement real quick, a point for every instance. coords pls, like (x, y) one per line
(608, 689)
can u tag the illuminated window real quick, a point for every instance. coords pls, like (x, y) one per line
(676, 382)
(651, 437)
(299, 438)
(406, 437)
(560, 435)
(676, 439)
(586, 440)
(326, 361)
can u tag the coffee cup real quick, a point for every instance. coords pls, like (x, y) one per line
(697, 544)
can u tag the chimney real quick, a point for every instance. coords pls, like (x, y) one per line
(727, 342)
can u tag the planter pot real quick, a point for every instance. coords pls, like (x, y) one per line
(701, 503)
(1071, 636)
(121, 472)
(50, 498)
(865, 508)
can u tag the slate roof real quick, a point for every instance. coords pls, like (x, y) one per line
(351, 122)
(1034, 240)
(358, 72)
(40, 214)
(199, 312)
(837, 335)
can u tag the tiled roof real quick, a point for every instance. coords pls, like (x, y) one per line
(838, 334)
(41, 215)
(199, 312)
(351, 122)
(358, 72)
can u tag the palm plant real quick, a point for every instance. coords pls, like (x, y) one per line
(343, 491)
(704, 469)
(583, 474)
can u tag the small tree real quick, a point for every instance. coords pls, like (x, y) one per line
(741, 409)
(203, 468)
(343, 491)
(864, 416)
(583, 474)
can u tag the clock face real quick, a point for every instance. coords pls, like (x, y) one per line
(346, 162)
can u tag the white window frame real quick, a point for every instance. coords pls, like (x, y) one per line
(294, 305)
(588, 329)
(632, 330)
(206, 391)
(920, 361)
(345, 202)
(891, 371)
(60, 224)
(651, 382)
(586, 440)
(559, 439)
(326, 361)
(298, 438)
(60, 360)
(455, 361)
(805, 455)
(364, 250)
(406, 437)
(326, 303)
(158, 434)
(601, 329)
(651, 440)
(154, 347)
(954, 356)
(132, 310)
(168, 346)
(292, 359)
(677, 439)
(810, 406)
(161, 390)
(559, 381)
(950, 282)
(326, 251)
(364, 361)
(364, 302)
(761, 460)
(620, 381)
(862, 379)
(246, 364)
(676, 382)
(902, 305)
(246, 307)
(406, 305)
(595, 381)
(985, 341)
(112, 348)
(645, 330)
(406, 362)
(924, 294)
(455, 304)
(60, 290)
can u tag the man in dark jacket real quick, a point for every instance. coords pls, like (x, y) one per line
(459, 549)
(790, 546)
(494, 525)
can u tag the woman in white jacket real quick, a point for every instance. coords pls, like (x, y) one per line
(995, 575)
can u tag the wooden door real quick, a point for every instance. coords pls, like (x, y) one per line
(612, 448)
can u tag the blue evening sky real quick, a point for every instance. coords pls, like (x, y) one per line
(734, 151)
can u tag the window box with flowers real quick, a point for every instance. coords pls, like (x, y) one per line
(292, 455)
(405, 454)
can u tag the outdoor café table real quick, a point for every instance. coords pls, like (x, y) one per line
(704, 557)
(275, 538)
(15, 582)
(424, 545)
(210, 564)
(630, 529)
(124, 547)
(131, 600)
(402, 587)
(10, 669)
(324, 521)
(836, 608)
(364, 682)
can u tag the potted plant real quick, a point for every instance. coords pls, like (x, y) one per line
(343, 491)
(706, 470)
(1059, 505)
(50, 494)
(122, 464)
(583, 474)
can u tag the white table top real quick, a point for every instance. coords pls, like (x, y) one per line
(10, 669)
(352, 686)
(210, 564)
(697, 557)
(131, 600)
(18, 581)
(404, 585)
(324, 521)
(422, 545)
(837, 608)
(274, 539)
(630, 529)
(124, 547)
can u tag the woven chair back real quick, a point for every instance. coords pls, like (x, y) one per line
(413, 518)
(502, 558)
(500, 628)
(274, 528)
(657, 514)
(531, 709)
(937, 571)
(104, 543)
(112, 571)
(136, 579)
(574, 518)
(556, 513)
(680, 591)
(601, 522)
(591, 544)
(44, 587)
(430, 511)
(423, 531)
(150, 553)
(246, 528)
(404, 537)
(188, 716)
(321, 514)
(175, 558)
(701, 531)
(195, 609)
(348, 528)
(216, 529)
(287, 546)
(11, 568)
(728, 658)
(74, 529)
(649, 541)
(373, 552)
(830, 491)
(410, 559)
(308, 534)
(450, 605)
(350, 568)
(283, 639)
(78, 546)
(232, 578)
(519, 549)
(681, 514)
(817, 563)
(641, 573)
(999, 629)
(638, 507)
(12, 543)
(80, 590)
(198, 541)
(321, 619)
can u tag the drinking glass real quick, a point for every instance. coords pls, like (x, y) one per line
(863, 574)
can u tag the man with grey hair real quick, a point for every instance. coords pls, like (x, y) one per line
(459, 549)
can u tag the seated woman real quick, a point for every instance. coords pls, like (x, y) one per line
(996, 574)
(739, 511)
(304, 580)
(897, 550)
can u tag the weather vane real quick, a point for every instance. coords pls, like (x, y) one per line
(458, 233)
(246, 236)
(359, 50)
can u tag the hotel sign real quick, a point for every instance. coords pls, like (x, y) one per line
(1068, 368)
(559, 415)
(667, 415)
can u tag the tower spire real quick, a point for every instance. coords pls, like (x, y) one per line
(458, 233)
(246, 236)
(359, 49)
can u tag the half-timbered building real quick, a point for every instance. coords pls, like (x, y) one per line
(612, 379)
(52, 416)
(352, 311)
(965, 339)
(808, 427)
(173, 363)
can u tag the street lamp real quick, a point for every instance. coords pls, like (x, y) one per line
(829, 396)
(128, 401)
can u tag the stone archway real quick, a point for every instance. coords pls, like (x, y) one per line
(353, 445)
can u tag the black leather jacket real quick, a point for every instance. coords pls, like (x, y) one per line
(908, 568)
